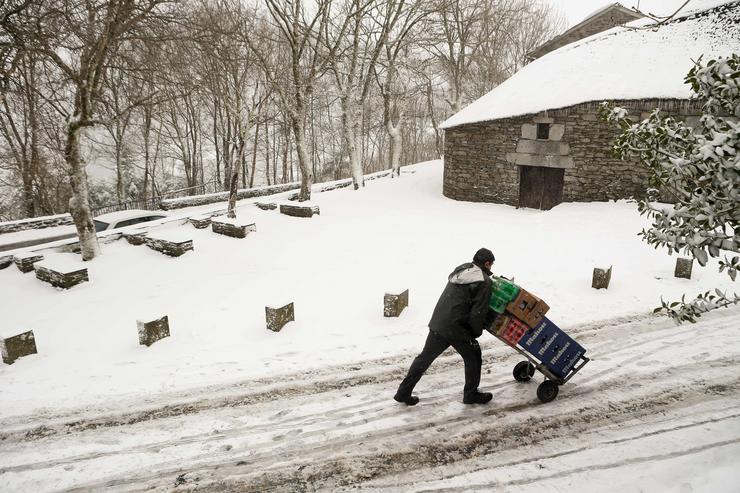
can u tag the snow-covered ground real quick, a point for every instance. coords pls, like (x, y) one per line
(224, 399)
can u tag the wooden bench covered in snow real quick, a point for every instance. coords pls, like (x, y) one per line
(299, 210)
(61, 270)
(236, 228)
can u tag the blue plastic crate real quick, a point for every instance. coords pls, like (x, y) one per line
(552, 347)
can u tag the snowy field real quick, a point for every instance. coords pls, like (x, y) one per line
(226, 402)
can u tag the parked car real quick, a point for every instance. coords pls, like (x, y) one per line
(121, 219)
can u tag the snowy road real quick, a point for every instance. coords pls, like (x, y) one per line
(657, 409)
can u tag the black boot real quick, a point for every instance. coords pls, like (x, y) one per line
(411, 400)
(478, 398)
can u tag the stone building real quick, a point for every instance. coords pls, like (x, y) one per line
(537, 140)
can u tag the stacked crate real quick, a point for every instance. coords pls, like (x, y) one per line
(522, 322)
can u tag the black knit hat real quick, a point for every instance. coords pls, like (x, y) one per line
(483, 255)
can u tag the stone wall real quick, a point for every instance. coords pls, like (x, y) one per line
(481, 160)
(36, 223)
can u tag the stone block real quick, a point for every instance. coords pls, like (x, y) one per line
(543, 119)
(200, 222)
(528, 146)
(5, 261)
(276, 318)
(64, 280)
(151, 332)
(135, 238)
(299, 210)
(170, 247)
(25, 262)
(17, 346)
(393, 304)
(684, 266)
(601, 278)
(231, 229)
(546, 161)
(529, 131)
(557, 131)
(267, 206)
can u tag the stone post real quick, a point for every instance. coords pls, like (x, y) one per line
(17, 346)
(277, 318)
(151, 332)
(601, 278)
(684, 267)
(393, 304)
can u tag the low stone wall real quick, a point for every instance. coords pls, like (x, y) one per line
(170, 248)
(299, 210)
(6, 261)
(233, 230)
(212, 198)
(64, 280)
(36, 223)
(482, 160)
(25, 263)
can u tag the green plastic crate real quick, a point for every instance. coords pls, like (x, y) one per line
(504, 289)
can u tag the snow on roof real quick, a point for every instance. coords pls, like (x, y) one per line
(621, 63)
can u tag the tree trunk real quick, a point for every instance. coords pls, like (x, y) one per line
(254, 153)
(79, 204)
(350, 137)
(267, 153)
(303, 160)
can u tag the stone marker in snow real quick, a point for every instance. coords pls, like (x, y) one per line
(299, 210)
(277, 317)
(200, 222)
(135, 238)
(393, 304)
(61, 276)
(172, 245)
(236, 228)
(25, 261)
(151, 332)
(17, 346)
(5, 261)
(684, 266)
(266, 206)
(601, 278)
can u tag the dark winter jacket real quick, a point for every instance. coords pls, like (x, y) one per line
(462, 311)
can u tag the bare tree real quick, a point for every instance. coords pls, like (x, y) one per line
(309, 52)
(82, 39)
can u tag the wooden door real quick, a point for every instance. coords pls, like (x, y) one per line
(540, 187)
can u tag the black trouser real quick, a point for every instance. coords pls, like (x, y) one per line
(433, 347)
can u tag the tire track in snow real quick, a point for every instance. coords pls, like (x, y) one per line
(383, 370)
(311, 465)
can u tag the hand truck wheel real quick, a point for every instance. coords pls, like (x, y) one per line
(547, 391)
(523, 371)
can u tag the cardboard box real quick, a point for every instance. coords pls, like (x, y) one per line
(528, 308)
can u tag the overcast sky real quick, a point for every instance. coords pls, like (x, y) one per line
(577, 10)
